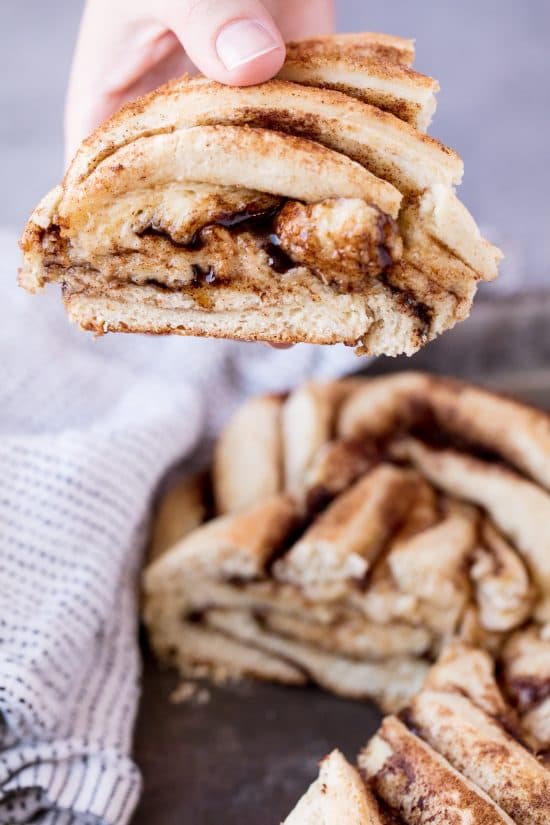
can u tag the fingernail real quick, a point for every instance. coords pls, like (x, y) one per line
(242, 41)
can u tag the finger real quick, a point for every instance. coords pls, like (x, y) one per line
(299, 20)
(233, 41)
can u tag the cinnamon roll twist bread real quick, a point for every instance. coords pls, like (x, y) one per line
(356, 528)
(311, 208)
(455, 756)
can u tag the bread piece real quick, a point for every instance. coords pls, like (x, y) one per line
(196, 651)
(346, 540)
(335, 467)
(518, 507)
(482, 751)
(390, 682)
(456, 755)
(503, 588)
(385, 84)
(420, 784)
(422, 579)
(248, 459)
(354, 637)
(470, 672)
(432, 563)
(237, 544)
(180, 510)
(358, 44)
(283, 212)
(308, 420)
(337, 797)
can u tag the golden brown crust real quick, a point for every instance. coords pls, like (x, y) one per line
(380, 82)
(478, 746)
(422, 786)
(282, 106)
(363, 44)
(345, 541)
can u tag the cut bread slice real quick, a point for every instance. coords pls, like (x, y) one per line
(457, 754)
(459, 726)
(420, 784)
(287, 212)
(478, 746)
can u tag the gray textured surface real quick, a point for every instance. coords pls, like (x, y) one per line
(491, 56)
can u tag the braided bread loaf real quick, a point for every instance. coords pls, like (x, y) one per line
(358, 526)
(311, 208)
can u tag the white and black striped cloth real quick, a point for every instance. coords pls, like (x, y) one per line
(87, 431)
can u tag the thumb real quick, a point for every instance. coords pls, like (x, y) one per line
(233, 41)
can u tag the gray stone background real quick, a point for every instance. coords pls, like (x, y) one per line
(491, 57)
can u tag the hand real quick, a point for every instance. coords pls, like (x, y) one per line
(129, 47)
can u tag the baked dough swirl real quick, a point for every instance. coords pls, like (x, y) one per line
(387, 538)
(358, 527)
(311, 208)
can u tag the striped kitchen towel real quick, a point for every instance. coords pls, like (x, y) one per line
(87, 431)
